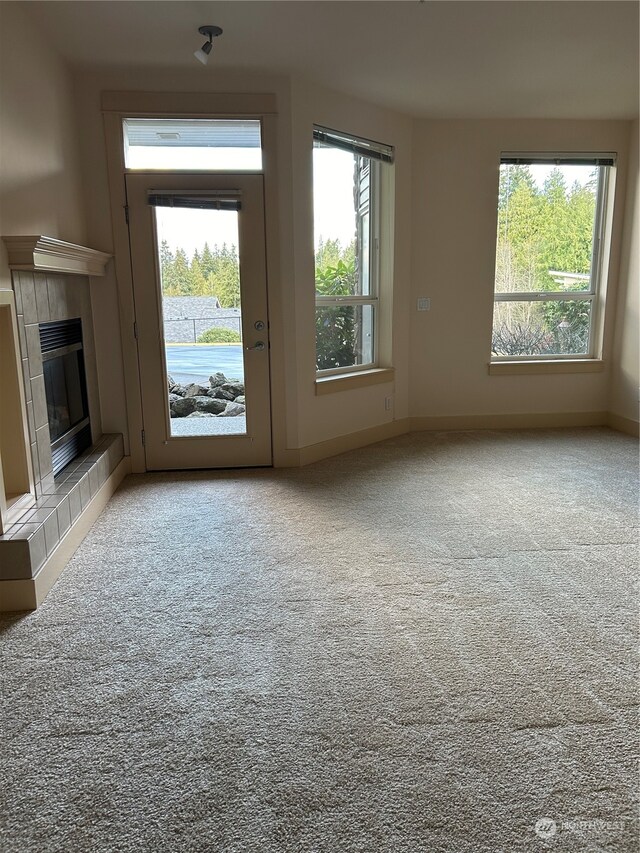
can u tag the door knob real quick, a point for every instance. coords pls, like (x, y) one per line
(259, 345)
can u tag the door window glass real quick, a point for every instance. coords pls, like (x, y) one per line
(197, 250)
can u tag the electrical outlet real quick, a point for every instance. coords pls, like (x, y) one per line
(424, 304)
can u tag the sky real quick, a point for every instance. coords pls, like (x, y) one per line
(191, 229)
(581, 174)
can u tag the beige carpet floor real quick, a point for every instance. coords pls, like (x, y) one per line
(426, 645)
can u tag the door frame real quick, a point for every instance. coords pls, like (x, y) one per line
(164, 450)
(263, 106)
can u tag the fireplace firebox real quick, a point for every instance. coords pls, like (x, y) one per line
(66, 390)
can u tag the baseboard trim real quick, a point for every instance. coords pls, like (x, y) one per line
(292, 458)
(296, 458)
(514, 421)
(28, 594)
(286, 457)
(622, 424)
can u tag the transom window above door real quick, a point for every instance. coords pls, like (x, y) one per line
(192, 144)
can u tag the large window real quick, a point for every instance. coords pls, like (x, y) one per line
(346, 198)
(548, 257)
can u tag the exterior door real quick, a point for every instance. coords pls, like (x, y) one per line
(199, 277)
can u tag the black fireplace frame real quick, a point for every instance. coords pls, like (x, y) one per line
(58, 340)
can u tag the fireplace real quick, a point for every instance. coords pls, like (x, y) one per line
(57, 467)
(65, 390)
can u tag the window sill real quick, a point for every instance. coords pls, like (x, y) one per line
(357, 379)
(578, 365)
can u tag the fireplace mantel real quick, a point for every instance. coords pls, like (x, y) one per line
(46, 254)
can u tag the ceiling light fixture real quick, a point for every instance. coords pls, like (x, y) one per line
(202, 55)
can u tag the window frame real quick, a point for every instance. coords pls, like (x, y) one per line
(606, 164)
(376, 154)
(170, 120)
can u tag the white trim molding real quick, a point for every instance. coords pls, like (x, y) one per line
(568, 365)
(622, 424)
(528, 420)
(299, 457)
(192, 104)
(356, 379)
(46, 254)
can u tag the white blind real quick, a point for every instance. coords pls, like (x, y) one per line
(192, 133)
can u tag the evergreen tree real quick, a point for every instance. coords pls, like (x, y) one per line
(206, 261)
(199, 286)
(514, 177)
(226, 276)
(183, 282)
(167, 275)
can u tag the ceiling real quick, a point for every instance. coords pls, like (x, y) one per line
(454, 59)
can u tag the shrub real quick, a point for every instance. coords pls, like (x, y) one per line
(336, 325)
(219, 336)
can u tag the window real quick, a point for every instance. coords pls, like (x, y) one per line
(192, 144)
(548, 256)
(346, 199)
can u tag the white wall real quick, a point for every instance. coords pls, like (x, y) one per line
(40, 176)
(625, 384)
(455, 186)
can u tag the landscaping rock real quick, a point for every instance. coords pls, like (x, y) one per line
(201, 415)
(195, 390)
(235, 388)
(219, 394)
(224, 398)
(183, 406)
(208, 404)
(233, 410)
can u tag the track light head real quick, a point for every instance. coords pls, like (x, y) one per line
(202, 55)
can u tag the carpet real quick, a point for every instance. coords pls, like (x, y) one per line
(424, 645)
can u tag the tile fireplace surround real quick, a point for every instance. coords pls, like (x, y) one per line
(36, 544)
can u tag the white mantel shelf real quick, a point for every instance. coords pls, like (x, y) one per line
(46, 254)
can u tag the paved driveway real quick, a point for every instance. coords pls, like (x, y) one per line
(197, 363)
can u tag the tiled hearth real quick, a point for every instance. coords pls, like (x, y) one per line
(35, 540)
(38, 532)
